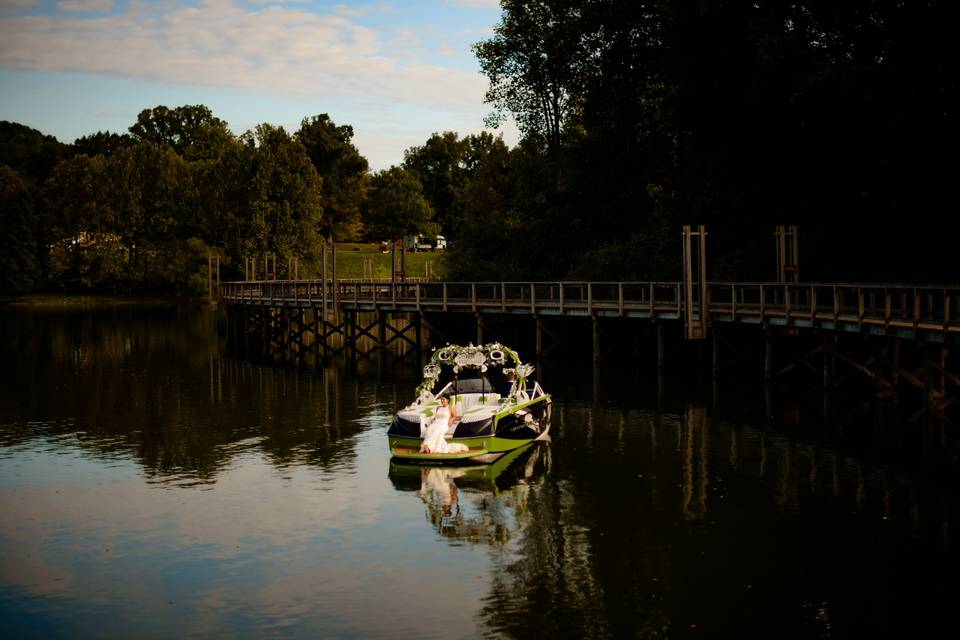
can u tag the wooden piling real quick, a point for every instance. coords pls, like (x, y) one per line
(596, 339)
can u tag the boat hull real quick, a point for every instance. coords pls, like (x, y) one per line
(509, 433)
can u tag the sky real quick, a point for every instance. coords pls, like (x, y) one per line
(395, 70)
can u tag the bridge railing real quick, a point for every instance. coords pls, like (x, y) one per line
(925, 307)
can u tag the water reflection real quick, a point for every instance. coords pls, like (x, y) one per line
(152, 384)
(658, 526)
(481, 503)
(149, 481)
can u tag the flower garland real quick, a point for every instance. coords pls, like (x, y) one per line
(470, 357)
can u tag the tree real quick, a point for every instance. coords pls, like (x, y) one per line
(535, 63)
(18, 246)
(80, 198)
(191, 130)
(220, 199)
(101, 143)
(396, 207)
(285, 211)
(343, 172)
(85, 247)
(490, 241)
(32, 154)
(439, 164)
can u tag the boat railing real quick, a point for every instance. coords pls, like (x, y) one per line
(524, 396)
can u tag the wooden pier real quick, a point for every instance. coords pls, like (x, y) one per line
(926, 314)
(298, 315)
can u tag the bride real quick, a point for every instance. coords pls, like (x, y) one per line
(433, 433)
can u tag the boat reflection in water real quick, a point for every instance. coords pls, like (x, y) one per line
(484, 503)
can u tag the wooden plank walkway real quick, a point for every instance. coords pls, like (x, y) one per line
(915, 312)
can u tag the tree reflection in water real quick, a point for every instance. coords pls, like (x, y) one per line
(152, 382)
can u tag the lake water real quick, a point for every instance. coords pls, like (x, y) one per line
(152, 486)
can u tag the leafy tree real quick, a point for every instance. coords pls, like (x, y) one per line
(191, 130)
(18, 247)
(343, 172)
(396, 206)
(740, 116)
(101, 143)
(32, 154)
(149, 183)
(285, 210)
(219, 200)
(490, 239)
(535, 62)
(80, 198)
(439, 164)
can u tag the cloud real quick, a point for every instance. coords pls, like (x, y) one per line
(17, 5)
(85, 6)
(286, 50)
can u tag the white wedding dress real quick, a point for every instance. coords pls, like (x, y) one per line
(433, 433)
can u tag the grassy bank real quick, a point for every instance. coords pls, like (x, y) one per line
(353, 260)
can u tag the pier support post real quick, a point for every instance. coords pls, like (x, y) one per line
(479, 328)
(767, 355)
(895, 372)
(828, 362)
(596, 339)
(716, 353)
(660, 347)
(942, 374)
(381, 330)
(264, 331)
(715, 344)
(418, 335)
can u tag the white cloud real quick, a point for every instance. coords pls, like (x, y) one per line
(272, 50)
(89, 6)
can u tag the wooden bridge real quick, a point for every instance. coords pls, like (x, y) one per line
(331, 316)
(922, 313)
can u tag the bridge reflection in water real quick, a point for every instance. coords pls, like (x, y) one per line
(657, 526)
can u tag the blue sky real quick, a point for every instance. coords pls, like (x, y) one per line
(396, 70)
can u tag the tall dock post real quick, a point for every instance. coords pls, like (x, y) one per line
(788, 254)
(596, 339)
(695, 278)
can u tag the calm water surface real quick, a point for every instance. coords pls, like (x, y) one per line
(152, 486)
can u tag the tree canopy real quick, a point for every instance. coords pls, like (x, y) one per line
(343, 172)
(740, 116)
(636, 117)
(396, 206)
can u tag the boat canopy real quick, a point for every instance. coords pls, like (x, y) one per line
(469, 365)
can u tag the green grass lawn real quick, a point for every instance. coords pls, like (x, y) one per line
(353, 258)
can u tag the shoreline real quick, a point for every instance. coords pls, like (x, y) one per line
(97, 300)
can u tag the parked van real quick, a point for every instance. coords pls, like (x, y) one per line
(426, 243)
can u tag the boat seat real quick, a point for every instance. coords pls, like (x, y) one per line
(464, 402)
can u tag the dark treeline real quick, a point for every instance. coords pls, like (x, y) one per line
(642, 116)
(636, 118)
